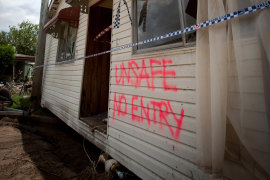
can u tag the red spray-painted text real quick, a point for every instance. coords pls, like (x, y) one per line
(140, 73)
(161, 111)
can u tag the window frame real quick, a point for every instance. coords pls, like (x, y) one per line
(182, 44)
(65, 29)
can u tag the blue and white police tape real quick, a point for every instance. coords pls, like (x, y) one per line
(226, 17)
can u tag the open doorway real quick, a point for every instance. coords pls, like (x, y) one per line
(95, 89)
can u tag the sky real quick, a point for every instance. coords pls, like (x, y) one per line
(13, 12)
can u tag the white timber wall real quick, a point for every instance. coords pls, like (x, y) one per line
(62, 83)
(147, 150)
(148, 146)
(61, 91)
(144, 143)
(152, 151)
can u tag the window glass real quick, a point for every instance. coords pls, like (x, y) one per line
(157, 17)
(71, 39)
(61, 53)
(190, 14)
(67, 42)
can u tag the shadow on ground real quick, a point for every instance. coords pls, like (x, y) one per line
(41, 147)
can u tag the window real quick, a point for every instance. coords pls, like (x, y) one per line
(157, 17)
(67, 40)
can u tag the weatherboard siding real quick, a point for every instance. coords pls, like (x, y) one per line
(62, 83)
(61, 90)
(152, 143)
(153, 149)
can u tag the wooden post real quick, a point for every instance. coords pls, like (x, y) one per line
(39, 59)
(13, 70)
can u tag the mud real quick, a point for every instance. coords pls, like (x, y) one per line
(44, 148)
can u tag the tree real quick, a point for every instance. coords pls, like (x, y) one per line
(4, 38)
(24, 38)
(6, 57)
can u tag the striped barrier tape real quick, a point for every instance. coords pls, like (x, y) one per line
(125, 2)
(103, 32)
(117, 21)
(226, 17)
(117, 16)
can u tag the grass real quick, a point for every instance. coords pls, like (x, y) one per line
(20, 102)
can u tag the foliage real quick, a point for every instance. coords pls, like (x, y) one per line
(3, 38)
(24, 38)
(16, 101)
(20, 102)
(6, 57)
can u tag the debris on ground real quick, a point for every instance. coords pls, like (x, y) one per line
(17, 87)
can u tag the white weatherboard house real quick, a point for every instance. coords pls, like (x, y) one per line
(192, 106)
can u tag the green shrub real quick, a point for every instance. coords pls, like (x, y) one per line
(6, 57)
(25, 103)
(19, 102)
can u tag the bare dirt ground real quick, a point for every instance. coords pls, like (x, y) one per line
(44, 149)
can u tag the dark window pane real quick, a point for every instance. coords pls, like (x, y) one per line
(62, 46)
(155, 18)
(66, 49)
(71, 39)
(190, 13)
